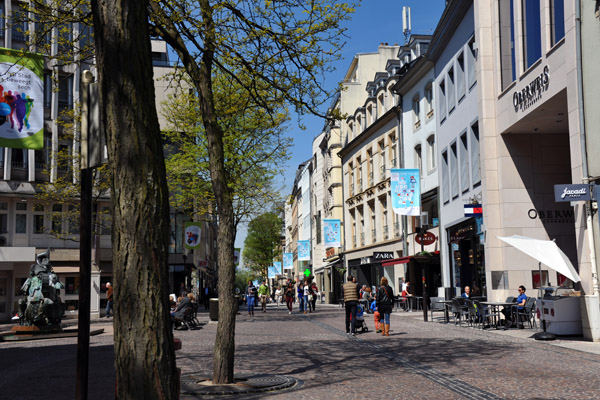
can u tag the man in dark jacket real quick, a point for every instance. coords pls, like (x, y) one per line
(350, 292)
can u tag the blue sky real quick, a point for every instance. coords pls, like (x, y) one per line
(375, 22)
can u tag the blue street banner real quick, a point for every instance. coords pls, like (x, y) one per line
(193, 234)
(21, 100)
(303, 250)
(332, 232)
(272, 272)
(277, 266)
(288, 260)
(406, 191)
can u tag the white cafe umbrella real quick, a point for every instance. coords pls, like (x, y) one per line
(546, 252)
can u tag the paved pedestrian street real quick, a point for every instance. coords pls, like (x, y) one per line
(417, 361)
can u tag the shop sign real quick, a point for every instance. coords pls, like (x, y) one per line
(576, 192)
(383, 255)
(552, 216)
(531, 93)
(426, 239)
(330, 252)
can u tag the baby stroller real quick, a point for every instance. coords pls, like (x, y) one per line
(360, 320)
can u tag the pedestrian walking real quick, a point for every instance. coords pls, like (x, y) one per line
(385, 303)
(314, 293)
(301, 297)
(250, 296)
(289, 295)
(307, 297)
(278, 293)
(263, 292)
(350, 293)
(109, 299)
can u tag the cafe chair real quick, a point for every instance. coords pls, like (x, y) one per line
(483, 313)
(458, 311)
(437, 305)
(527, 314)
(472, 316)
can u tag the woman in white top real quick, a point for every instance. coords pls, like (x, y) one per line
(307, 298)
(278, 293)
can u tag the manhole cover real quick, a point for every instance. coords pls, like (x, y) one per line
(200, 384)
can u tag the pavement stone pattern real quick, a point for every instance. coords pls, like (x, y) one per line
(418, 360)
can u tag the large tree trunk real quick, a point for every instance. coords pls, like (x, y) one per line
(144, 351)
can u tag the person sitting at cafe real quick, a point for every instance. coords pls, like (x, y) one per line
(521, 300)
(467, 293)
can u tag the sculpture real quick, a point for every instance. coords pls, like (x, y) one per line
(43, 307)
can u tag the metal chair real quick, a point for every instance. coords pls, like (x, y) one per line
(458, 310)
(527, 313)
(483, 313)
(437, 306)
(472, 316)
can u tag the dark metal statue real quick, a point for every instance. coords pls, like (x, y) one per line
(43, 307)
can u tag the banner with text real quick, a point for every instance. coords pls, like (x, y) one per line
(331, 232)
(303, 250)
(277, 265)
(21, 100)
(272, 272)
(193, 231)
(288, 260)
(406, 191)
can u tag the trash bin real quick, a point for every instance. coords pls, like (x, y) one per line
(213, 309)
(238, 300)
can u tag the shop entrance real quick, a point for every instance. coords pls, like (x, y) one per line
(468, 261)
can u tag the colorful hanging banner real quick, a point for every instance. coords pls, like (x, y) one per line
(272, 272)
(192, 236)
(288, 260)
(21, 100)
(303, 250)
(406, 191)
(277, 265)
(332, 232)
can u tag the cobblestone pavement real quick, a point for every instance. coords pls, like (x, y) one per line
(418, 361)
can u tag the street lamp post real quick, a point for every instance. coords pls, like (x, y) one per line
(422, 233)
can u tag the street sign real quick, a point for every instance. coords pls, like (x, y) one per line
(426, 239)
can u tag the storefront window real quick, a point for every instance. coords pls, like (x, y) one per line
(557, 10)
(532, 33)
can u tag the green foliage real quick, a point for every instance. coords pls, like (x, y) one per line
(263, 243)
(255, 149)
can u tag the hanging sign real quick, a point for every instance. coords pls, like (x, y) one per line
(572, 192)
(288, 260)
(406, 191)
(426, 239)
(331, 230)
(303, 250)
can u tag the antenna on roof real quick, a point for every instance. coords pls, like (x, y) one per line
(406, 25)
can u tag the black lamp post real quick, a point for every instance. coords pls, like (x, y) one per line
(422, 231)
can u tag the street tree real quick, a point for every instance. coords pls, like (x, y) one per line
(143, 341)
(282, 45)
(255, 149)
(263, 243)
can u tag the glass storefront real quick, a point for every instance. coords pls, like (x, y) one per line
(467, 256)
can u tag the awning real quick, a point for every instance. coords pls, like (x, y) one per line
(394, 261)
(65, 270)
(402, 260)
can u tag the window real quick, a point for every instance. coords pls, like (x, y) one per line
(38, 218)
(445, 185)
(19, 158)
(464, 163)
(47, 90)
(318, 226)
(2, 20)
(416, 111)
(460, 77)
(73, 217)
(19, 24)
(475, 167)
(57, 218)
(21, 218)
(65, 92)
(3, 217)
(454, 170)
(532, 34)
(507, 43)
(418, 159)
(471, 63)
(451, 90)
(380, 105)
(557, 19)
(72, 285)
(442, 99)
(429, 100)
(430, 152)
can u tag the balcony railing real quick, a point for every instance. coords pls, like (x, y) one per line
(360, 187)
(362, 239)
(371, 178)
(352, 189)
(397, 229)
(382, 172)
(374, 235)
(386, 235)
(354, 241)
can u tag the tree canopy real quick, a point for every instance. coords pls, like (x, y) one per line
(263, 243)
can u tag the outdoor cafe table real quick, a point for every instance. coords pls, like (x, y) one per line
(495, 307)
(447, 307)
(416, 301)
